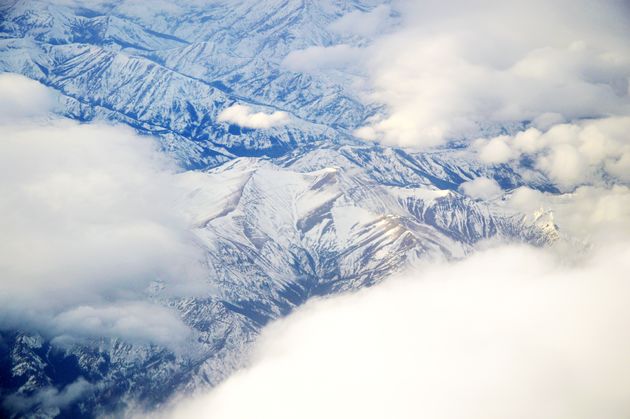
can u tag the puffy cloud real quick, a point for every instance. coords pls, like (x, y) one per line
(564, 164)
(510, 332)
(245, 117)
(590, 214)
(495, 151)
(91, 218)
(22, 97)
(455, 69)
(481, 188)
(571, 154)
(318, 58)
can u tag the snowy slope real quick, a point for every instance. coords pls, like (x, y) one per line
(171, 77)
(283, 214)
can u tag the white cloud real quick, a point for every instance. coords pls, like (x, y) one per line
(318, 58)
(571, 154)
(590, 214)
(547, 120)
(454, 68)
(511, 332)
(22, 97)
(245, 117)
(564, 164)
(137, 322)
(481, 188)
(364, 23)
(496, 151)
(90, 218)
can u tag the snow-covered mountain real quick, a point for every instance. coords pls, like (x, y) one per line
(170, 76)
(283, 213)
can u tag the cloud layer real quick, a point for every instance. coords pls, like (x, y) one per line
(476, 64)
(510, 332)
(90, 220)
(21, 97)
(459, 69)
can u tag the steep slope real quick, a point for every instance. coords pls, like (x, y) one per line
(283, 213)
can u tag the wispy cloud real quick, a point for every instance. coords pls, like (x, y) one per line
(367, 23)
(48, 398)
(318, 58)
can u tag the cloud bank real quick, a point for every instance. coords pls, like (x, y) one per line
(22, 97)
(245, 117)
(460, 69)
(511, 332)
(478, 64)
(90, 222)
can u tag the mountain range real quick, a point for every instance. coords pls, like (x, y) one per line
(283, 213)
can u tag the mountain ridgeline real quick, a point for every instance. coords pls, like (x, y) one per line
(283, 213)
